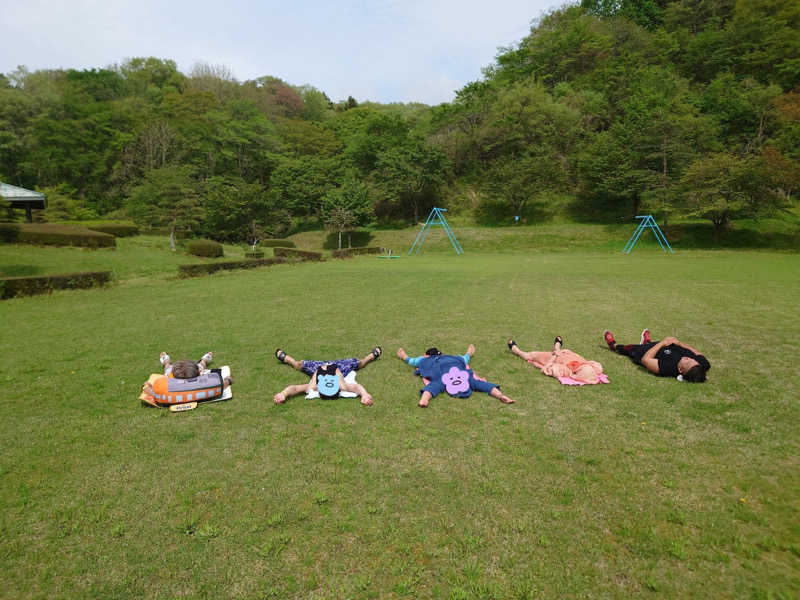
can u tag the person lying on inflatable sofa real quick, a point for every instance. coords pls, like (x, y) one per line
(183, 379)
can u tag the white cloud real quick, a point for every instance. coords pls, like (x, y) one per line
(387, 51)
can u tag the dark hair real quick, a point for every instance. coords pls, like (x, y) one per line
(433, 351)
(697, 374)
(185, 369)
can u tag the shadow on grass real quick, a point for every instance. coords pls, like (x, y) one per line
(19, 270)
(701, 236)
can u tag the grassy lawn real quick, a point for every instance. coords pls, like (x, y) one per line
(646, 487)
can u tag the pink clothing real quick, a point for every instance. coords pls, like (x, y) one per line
(566, 364)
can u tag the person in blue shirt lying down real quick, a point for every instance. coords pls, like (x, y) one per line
(449, 373)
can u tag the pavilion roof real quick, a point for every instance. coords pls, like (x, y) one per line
(12, 192)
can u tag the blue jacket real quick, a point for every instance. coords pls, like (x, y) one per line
(449, 373)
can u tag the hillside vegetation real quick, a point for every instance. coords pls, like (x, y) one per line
(605, 109)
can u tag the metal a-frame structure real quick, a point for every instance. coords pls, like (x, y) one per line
(435, 218)
(647, 221)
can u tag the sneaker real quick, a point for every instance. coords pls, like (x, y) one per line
(609, 338)
(645, 339)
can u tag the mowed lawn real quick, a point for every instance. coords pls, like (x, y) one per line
(646, 487)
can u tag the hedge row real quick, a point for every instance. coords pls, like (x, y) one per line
(346, 252)
(206, 248)
(115, 229)
(51, 234)
(254, 254)
(206, 268)
(301, 254)
(11, 287)
(273, 243)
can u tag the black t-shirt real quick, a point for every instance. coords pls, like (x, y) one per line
(669, 356)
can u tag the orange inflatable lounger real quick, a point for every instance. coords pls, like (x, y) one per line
(169, 391)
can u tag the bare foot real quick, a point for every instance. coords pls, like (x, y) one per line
(505, 399)
(471, 350)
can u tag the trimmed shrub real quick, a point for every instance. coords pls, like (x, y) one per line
(207, 268)
(206, 248)
(273, 243)
(11, 287)
(116, 229)
(353, 239)
(294, 253)
(347, 252)
(253, 254)
(51, 234)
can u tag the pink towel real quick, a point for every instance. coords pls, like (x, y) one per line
(602, 378)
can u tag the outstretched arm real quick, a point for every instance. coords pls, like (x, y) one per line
(357, 388)
(290, 391)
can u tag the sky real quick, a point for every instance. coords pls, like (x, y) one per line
(381, 50)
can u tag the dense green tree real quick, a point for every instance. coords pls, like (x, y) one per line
(303, 137)
(722, 186)
(234, 209)
(408, 176)
(347, 207)
(301, 183)
(647, 13)
(167, 197)
(743, 109)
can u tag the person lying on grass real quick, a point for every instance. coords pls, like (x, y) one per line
(668, 358)
(449, 373)
(327, 377)
(561, 362)
(186, 369)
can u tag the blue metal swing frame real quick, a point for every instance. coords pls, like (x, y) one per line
(647, 221)
(435, 218)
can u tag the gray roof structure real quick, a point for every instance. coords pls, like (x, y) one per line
(21, 198)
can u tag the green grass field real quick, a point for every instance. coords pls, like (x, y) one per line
(646, 487)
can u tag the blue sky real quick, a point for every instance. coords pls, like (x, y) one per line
(384, 51)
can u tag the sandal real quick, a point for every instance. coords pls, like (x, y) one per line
(164, 358)
(377, 351)
(280, 355)
(511, 344)
(559, 340)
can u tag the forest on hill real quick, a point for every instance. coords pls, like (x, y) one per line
(607, 108)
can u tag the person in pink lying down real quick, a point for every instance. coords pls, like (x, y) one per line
(562, 363)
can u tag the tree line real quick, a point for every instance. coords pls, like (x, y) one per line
(608, 107)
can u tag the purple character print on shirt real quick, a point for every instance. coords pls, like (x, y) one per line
(456, 381)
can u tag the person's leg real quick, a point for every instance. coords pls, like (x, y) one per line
(373, 354)
(204, 360)
(487, 387)
(536, 357)
(166, 362)
(285, 358)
